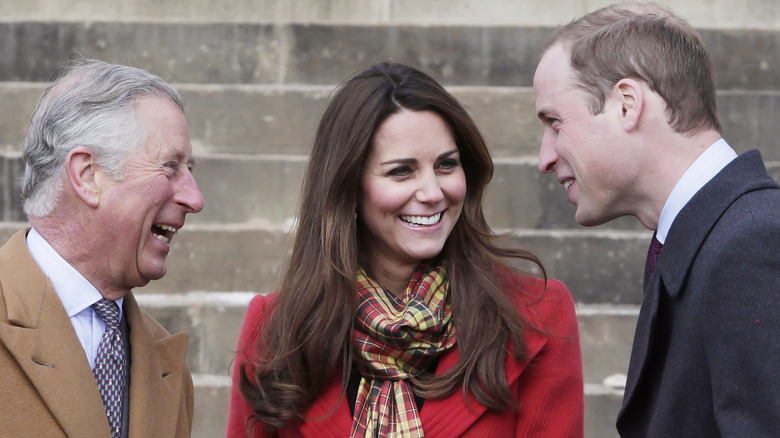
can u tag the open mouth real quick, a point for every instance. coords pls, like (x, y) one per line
(422, 220)
(164, 233)
(568, 183)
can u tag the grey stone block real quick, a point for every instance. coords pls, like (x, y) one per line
(749, 121)
(606, 336)
(212, 403)
(706, 13)
(17, 101)
(249, 189)
(597, 266)
(241, 53)
(223, 258)
(254, 119)
(601, 409)
(282, 119)
(10, 199)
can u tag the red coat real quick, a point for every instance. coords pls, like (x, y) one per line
(548, 385)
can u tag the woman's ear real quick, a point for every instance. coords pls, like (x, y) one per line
(630, 96)
(81, 169)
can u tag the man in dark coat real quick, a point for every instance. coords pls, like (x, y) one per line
(627, 99)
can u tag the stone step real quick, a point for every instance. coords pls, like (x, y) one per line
(702, 13)
(264, 190)
(283, 53)
(282, 119)
(598, 266)
(261, 190)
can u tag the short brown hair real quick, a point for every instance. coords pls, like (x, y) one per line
(649, 43)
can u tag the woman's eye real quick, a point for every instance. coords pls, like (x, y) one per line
(449, 163)
(400, 171)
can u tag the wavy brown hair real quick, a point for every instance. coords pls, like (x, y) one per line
(307, 338)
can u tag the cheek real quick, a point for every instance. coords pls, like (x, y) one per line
(378, 200)
(455, 187)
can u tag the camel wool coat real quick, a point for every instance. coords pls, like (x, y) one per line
(46, 384)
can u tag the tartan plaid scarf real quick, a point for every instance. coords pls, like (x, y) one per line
(395, 339)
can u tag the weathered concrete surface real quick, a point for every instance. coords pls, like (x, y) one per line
(704, 13)
(231, 53)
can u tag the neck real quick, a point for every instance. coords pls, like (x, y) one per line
(393, 278)
(71, 241)
(672, 160)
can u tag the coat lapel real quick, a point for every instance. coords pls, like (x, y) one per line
(41, 338)
(643, 337)
(155, 376)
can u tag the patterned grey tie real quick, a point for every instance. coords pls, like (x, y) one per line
(110, 365)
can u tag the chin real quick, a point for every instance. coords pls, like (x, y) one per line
(587, 220)
(153, 274)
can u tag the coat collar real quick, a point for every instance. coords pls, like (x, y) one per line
(687, 234)
(695, 221)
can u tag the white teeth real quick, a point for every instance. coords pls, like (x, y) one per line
(168, 228)
(422, 220)
(568, 183)
(161, 238)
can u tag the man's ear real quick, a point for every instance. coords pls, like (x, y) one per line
(630, 96)
(81, 170)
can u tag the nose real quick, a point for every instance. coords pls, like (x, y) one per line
(548, 158)
(429, 190)
(189, 195)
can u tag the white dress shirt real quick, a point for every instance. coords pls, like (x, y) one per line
(709, 163)
(76, 293)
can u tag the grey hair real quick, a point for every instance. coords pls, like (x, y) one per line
(91, 104)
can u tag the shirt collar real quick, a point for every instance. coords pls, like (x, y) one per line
(709, 163)
(75, 291)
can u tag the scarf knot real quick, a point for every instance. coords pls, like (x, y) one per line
(396, 338)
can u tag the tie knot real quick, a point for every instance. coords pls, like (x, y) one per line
(652, 255)
(109, 312)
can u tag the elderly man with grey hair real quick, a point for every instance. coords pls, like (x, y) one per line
(107, 184)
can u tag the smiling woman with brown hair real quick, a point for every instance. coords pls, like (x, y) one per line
(398, 314)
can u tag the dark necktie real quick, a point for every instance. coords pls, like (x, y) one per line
(110, 365)
(652, 256)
